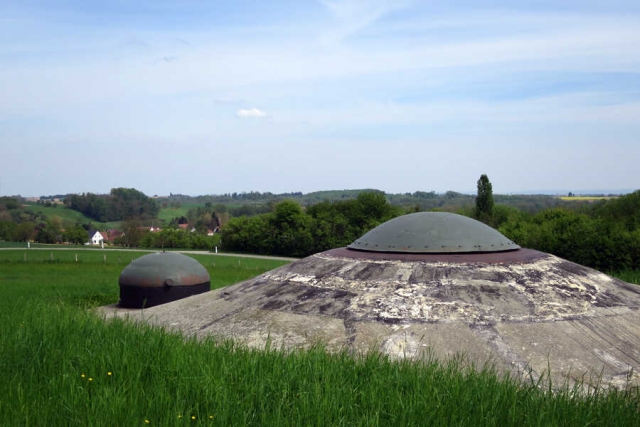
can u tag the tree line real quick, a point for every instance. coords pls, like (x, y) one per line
(137, 236)
(291, 231)
(118, 205)
(604, 235)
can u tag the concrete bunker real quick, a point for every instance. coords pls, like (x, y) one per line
(433, 286)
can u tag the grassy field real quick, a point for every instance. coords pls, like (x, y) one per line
(23, 245)
(60, 365)
(167, 214)
(68, 215)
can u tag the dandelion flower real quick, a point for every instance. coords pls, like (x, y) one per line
(146, 421)
(109, 373)
(82, 375)
(193, 417)
(210, 417)
(90, 379)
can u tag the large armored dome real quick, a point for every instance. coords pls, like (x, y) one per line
(433, 232)
(522, 310)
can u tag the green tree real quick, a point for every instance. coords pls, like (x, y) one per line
(290, 230)
(120, 204)
(484, 200)
(50, 231)
(133, 233)
(76, 235)
(7, 230)
(25, 231)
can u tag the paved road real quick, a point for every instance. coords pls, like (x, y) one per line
(81, 248)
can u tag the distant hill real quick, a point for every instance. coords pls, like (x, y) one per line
(600, 192)
(66, 214)
(256, 202)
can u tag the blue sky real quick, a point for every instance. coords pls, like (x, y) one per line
(206, 97)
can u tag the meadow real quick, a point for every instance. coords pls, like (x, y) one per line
(168, 213)
(68, 215)
(62, 365)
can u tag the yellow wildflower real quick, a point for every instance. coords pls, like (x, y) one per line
(193, 417)
(82, 375)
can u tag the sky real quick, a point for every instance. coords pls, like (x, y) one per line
(209, 97)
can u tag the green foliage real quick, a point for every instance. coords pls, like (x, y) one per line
(76, 235)
(7, 230)
(49, 232)
(120, 204)
(24, 232)
(484, 200)
(247, 234)
(8, 203)
(179, 239)
(598, 243)
(290, 231)
(69, 217)
(625, 210)
(256, 203)
(202, 218)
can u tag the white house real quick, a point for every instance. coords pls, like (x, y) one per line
(96, 238)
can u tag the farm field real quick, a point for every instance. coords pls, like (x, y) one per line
(585, 198)
(61, 365)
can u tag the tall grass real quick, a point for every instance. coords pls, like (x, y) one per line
(630, 276)
(62, 365)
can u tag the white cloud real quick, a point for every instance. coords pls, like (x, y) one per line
(251, 112)
(528, 84)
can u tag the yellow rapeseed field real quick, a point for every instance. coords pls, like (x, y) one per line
(586, 198)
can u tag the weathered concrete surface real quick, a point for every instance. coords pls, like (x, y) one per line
(522, 310)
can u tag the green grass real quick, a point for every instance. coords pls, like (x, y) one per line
(167, 214)
(33, 245)
(18, 245)
(94, 276)
(630, 276)
(70, 215)
(60, 365)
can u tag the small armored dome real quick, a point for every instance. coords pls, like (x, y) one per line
(433, 232)
(159, 278)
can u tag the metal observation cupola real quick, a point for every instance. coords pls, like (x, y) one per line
(160, 278)
(433, 232)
